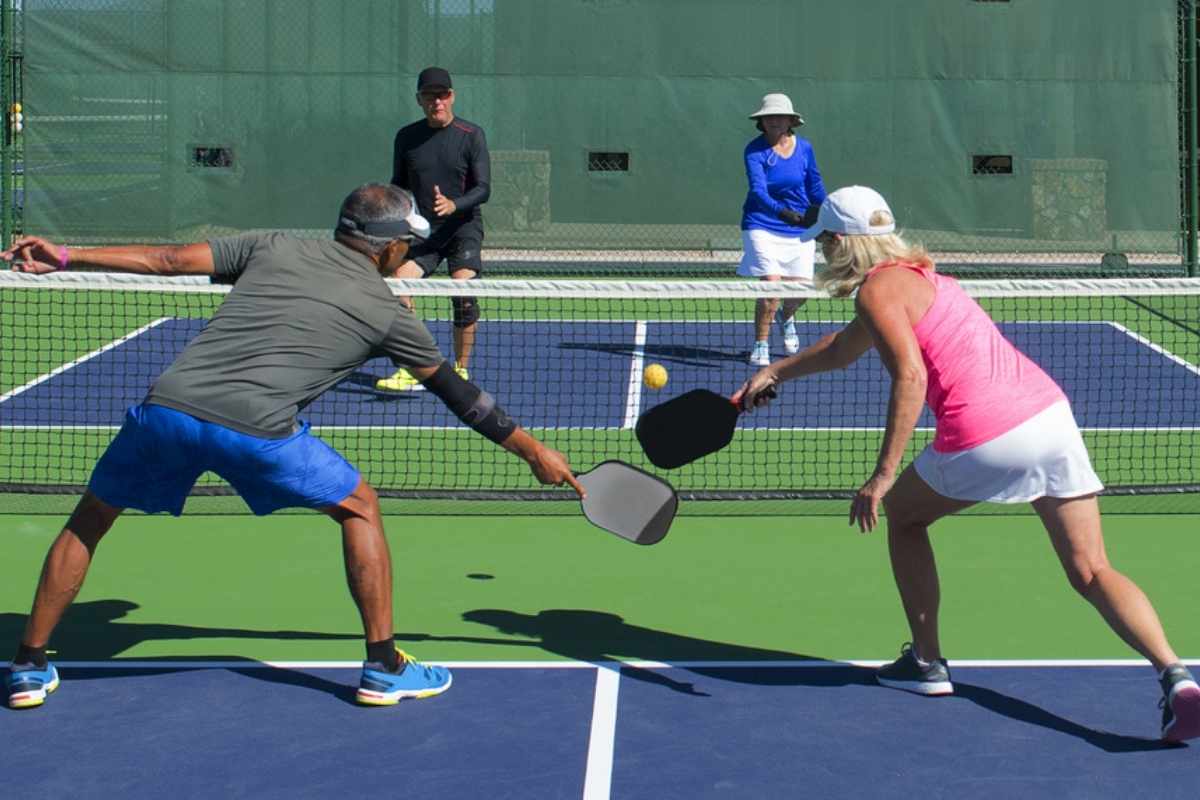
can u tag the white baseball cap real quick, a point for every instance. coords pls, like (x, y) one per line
(849, 210)
(777, 104)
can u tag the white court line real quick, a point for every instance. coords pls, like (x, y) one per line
(633, 396)
(81, 359)
(1156, 348)
(597, 783)
(612, 666)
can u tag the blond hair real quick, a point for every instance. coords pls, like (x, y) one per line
(854, 255)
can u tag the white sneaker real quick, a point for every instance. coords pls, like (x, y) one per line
(760, 356)
(791, 341)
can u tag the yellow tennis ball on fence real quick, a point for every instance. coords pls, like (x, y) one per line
(655, 376)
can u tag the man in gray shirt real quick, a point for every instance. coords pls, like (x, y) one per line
(301, 316)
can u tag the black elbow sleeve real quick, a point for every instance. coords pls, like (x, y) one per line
(472, 405)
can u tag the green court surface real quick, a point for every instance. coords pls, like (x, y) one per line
(552, 588)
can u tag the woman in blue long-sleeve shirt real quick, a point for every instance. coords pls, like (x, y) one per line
(784, 185)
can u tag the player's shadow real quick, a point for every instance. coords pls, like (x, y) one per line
(673, 355)
(1022, 711)
(96, 630)
(595, 636)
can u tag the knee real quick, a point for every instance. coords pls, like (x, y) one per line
(367, 497)
(91, 519)
(1084, 575)
(366, 492)
(466, 311)
(362, 503)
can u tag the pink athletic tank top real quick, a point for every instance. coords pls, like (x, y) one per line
(979, 385)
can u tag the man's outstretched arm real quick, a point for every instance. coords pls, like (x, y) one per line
(37, 255)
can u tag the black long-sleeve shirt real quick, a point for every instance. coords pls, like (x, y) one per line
(453, 158)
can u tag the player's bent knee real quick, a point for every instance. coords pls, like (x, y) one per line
(1081, 581)
(366, 492)
(92, 518)
(466, 311)
(362, 502)
(1085, 578)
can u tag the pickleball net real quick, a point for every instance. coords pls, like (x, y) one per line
(565, 358)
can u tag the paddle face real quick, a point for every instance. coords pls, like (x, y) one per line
(686, 428)
(628, 502)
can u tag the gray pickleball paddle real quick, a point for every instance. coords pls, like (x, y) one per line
(628, 502)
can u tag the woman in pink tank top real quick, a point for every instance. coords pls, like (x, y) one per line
(1005, 433)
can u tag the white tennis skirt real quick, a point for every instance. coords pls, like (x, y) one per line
(765, 253)
(1043, 456)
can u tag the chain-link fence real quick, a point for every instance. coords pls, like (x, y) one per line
(1009, 137)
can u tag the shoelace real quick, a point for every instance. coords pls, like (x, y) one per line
(409, 661)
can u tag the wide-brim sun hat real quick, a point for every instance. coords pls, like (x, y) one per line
(849, 211)
(777, 104)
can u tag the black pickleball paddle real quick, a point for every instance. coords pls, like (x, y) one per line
(687, 427)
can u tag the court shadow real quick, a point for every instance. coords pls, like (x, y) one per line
(253, 668)
(1021, 711)
(670, 355)
(596, 636)
(96, 630)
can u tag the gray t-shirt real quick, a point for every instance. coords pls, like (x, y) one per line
(302, 315)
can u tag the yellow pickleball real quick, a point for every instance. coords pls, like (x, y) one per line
(655, 376)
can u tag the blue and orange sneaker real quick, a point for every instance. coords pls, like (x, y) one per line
(28, 686)
(380, 687)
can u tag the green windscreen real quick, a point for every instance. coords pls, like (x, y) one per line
(1007, 133)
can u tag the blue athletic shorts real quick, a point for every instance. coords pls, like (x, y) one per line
(159, 453)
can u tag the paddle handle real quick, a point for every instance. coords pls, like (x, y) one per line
(769, 392)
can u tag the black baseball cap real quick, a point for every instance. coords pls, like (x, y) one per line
(433, 76)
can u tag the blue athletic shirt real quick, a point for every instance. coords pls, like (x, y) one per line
(777, 183)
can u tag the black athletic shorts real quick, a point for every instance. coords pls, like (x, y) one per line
(457, 245)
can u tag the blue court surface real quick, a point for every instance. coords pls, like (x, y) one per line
(574, 730)
(587, 375)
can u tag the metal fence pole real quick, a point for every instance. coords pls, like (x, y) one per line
(1191, 228)
(7, 33)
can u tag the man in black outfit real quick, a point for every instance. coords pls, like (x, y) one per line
(443, 160)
